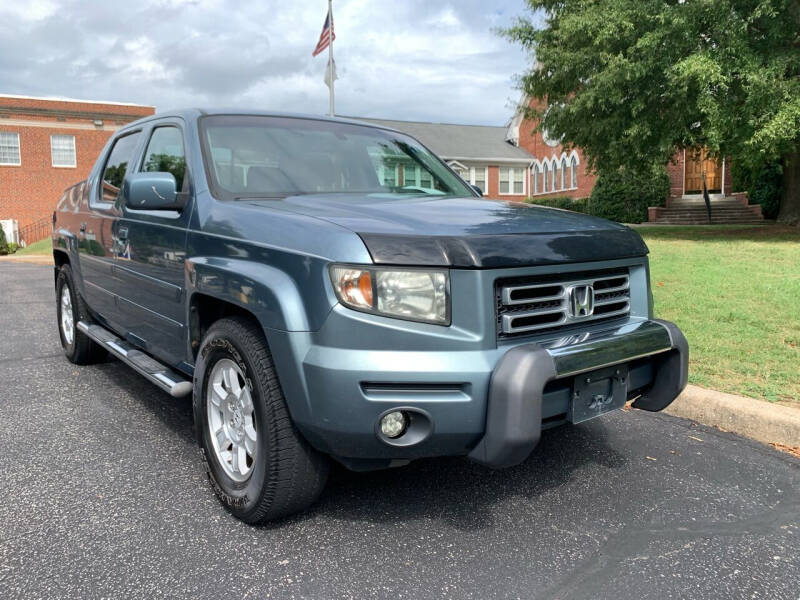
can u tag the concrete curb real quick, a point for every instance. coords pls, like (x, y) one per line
(31, 259)
(762, 421)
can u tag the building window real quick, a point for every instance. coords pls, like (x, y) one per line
(388, 175)
(564, 175)
(62, 150)
(512, 180)
(557, 177)
(545, 174)
(479, 177)
(9, 148)
(573, 167)
(535, 179)
(425, 179)
(410, 175)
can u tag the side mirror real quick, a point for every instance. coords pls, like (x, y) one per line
(477, 190)
(152, 191)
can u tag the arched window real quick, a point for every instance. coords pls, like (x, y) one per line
(573, 167)
(565, 183)
(535, 179)
(554, 177)
(545, 177)
(557, 176)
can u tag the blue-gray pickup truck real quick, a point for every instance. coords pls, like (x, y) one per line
(279, 269)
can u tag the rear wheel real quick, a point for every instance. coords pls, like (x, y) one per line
(258, 463)
(70, 309)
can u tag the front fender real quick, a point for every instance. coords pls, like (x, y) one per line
(271, 294)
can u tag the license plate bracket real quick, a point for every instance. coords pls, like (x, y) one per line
(598, 392)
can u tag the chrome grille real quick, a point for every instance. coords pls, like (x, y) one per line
(532, 304)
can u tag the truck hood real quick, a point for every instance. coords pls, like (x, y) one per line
(467, 232)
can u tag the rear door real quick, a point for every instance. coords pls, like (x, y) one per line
(150, 260)
(97, 244)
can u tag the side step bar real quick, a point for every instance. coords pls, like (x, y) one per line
(159, 374)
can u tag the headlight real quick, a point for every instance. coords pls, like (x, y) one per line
(414, 294)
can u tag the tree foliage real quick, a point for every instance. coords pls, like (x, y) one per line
(629, 80)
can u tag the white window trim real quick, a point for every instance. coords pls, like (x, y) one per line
(19, 151)
(511, 180)
(566, 176)
(74, 152)
(473, 179)
(382, 174)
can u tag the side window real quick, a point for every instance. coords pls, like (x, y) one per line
(117, 165)
(165, 154)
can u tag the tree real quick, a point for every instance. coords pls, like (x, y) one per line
(628, 81)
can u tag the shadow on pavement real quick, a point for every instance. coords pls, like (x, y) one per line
(453, 490)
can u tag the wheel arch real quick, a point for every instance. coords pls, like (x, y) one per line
(219, 287)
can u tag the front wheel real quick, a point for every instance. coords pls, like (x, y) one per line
(257, 462)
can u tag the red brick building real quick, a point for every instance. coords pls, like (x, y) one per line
(47, 145)
(511, 162)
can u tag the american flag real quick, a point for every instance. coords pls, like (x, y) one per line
(326, 37)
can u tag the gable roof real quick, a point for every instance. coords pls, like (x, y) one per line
(460, 142)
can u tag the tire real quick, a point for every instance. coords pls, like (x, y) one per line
(278, 473)
(70, 308)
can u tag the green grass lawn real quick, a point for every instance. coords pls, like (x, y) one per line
(735, 293)
(44, 246)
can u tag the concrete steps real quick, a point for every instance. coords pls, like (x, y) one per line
(692, 211)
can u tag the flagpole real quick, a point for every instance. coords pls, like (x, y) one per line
(330, 51)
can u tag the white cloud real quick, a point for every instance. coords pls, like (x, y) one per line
(408, 60)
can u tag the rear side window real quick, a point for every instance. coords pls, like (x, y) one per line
(165, 154)
(117, 165)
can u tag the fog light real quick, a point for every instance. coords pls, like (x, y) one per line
(393, 424)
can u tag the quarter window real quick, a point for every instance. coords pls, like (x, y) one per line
(165, 154)
(117, 165)
(62, 150)
(9, 148)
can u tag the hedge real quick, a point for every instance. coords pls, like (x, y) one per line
(625, 195)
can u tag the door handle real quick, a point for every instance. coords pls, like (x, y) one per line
(82, 228)
(122, 233)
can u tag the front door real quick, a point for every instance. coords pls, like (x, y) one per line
(698, 162)
(150, 260)
(96, 241)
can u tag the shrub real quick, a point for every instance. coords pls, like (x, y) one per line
(3, 245)
(766, 188)
(12, 247)
(565, 202)
(624, 195)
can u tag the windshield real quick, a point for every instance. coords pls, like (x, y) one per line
(275, 157)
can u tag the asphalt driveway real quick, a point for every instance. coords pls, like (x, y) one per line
(102, 495)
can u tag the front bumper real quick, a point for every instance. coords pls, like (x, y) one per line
(517, 388)
(490, 403)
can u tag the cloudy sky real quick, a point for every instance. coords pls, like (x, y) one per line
(409, 59)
